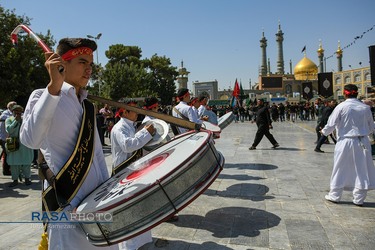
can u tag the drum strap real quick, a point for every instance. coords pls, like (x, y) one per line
(180, 114)
(135, 156)
(174, 127)
(64, 186)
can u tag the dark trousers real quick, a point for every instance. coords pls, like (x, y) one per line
(318, 134)
(322, 140)
(263, 131)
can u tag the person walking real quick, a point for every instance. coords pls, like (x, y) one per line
(327, 111)
(353, 167)
(264, 123)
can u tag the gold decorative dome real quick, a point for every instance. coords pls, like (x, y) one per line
(305, 70)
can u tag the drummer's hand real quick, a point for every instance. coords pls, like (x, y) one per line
(53, 63)
(150, 128)
(204, 118)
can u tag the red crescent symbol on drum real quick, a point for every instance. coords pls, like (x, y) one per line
(152, 164)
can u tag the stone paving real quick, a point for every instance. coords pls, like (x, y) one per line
(263, 199)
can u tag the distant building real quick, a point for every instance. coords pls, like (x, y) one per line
(210, 88)
(291, 85)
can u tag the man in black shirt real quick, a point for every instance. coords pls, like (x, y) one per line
(327, 111)
(264, 124)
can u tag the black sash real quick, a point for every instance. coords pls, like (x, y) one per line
(135, 156)
(71, 176)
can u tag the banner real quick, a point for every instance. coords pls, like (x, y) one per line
(325, 84)
(307, 90)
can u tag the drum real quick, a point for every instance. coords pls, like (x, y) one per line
(216, 130)
(161, 136)
(153, 189)
(225, 120)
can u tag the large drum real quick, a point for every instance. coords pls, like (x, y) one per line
(216, 130)
(153, 188)
(225, 120)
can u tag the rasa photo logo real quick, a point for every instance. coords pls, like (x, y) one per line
(70, 217)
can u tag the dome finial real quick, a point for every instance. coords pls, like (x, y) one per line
(320, 50)
(339, 50)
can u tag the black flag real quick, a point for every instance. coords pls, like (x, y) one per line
(325, 84)
(304, 48)
(307, 91)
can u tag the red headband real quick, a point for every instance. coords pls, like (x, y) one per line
(350, 92)
(73, 53)
(151, 106)
(183, 96)
(193, 101)
(119, 112)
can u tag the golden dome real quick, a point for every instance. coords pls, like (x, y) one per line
(305, 70)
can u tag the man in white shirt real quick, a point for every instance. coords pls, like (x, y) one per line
(353, 167)
(183, 110)
(52, 121)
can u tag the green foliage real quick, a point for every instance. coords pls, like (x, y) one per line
(22, 68)
(127, 75)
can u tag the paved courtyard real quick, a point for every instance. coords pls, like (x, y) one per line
(263, 199)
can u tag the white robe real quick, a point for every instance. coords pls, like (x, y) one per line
(125, 140)
(52, 124)
(353, 165)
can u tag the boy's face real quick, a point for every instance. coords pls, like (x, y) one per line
(78, 70)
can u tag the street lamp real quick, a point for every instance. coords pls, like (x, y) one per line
(96, 38)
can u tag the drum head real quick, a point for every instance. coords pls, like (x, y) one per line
(212, 127)
(225, 120)
(161, 135)
(216, 130)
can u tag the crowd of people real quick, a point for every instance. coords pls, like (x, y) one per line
(57, 122)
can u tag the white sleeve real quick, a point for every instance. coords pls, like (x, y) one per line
(37, 118)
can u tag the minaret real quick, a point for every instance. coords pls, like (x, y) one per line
(269, 67)
(263, 45)
(280, 61)
(339, 58)
(182, 77)
(321, 56)
(290, 65)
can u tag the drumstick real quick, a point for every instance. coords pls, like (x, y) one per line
(167, 118)
(14, 38)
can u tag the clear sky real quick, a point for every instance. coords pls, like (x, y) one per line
(216, 39)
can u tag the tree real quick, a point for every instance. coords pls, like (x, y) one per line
(22, 68)
(127, 75)
(162, 77)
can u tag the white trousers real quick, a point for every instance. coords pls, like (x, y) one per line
(359, 195)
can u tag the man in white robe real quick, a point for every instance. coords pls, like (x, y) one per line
(353, 167)
(51, 123)
(126, 140)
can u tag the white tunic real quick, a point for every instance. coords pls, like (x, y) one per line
(125, 141)
(353, 164)
(188, 112)
(52, 124)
